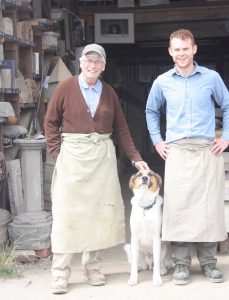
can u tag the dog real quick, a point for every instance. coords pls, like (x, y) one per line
(146, 251)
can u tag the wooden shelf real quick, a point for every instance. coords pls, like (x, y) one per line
(5, 38)
(9, 91)
(38, 25)
(49, 48)
(28, 105)
(26, 43)
(8, 4)
(21, 51)
(8, 38)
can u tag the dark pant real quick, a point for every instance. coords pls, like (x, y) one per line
(206, 253)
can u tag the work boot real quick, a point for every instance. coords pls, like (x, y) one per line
(212, 273)
(95, 277)
(181, 274)
(59, 285)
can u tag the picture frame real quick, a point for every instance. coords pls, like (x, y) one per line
(114, 28)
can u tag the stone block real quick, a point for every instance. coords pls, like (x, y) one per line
(31, 231)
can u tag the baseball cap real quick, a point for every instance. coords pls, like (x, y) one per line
(94, 48)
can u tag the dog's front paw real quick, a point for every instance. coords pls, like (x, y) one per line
(133, 280)
(157, 281)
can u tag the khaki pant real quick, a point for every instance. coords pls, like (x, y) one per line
(205, 253)
(62, 263)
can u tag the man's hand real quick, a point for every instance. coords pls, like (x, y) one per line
(141, 165)
(162, 149)
(218, 146)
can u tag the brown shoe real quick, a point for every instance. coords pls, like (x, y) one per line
(95, 277)
(59, 285)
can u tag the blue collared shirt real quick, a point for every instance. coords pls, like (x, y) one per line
(189, 103)
(91, 94)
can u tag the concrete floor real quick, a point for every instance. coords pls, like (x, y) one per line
(35, 283)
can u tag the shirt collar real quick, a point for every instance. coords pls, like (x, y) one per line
(197, 69)
(83, 83)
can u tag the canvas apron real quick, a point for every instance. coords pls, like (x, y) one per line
(88, 210)
(193, 193)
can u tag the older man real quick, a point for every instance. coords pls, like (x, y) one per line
(88, 214)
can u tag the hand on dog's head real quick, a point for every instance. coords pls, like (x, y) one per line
(154, 178)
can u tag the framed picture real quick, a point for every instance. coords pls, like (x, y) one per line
(114, 28)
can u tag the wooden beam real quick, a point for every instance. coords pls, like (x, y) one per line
(185, 13)
(200, 30)
(189, 11)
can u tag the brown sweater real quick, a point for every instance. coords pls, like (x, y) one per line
(68, 113)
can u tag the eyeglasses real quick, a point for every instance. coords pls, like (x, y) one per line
(96, 62)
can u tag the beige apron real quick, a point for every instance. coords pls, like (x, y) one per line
(193, 194)
(88, 210)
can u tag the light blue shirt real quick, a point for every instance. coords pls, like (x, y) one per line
(90, 94)
(189, 103)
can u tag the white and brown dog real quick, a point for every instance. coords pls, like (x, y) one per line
(146, 250)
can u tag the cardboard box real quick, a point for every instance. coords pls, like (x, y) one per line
(59, 73)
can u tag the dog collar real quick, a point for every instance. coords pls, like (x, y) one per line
(150, 206)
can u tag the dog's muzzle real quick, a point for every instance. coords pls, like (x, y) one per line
(145, 180)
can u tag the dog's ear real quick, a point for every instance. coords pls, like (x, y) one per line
(131, 182)
(158, 179)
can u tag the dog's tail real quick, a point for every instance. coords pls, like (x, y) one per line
(127, 249)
